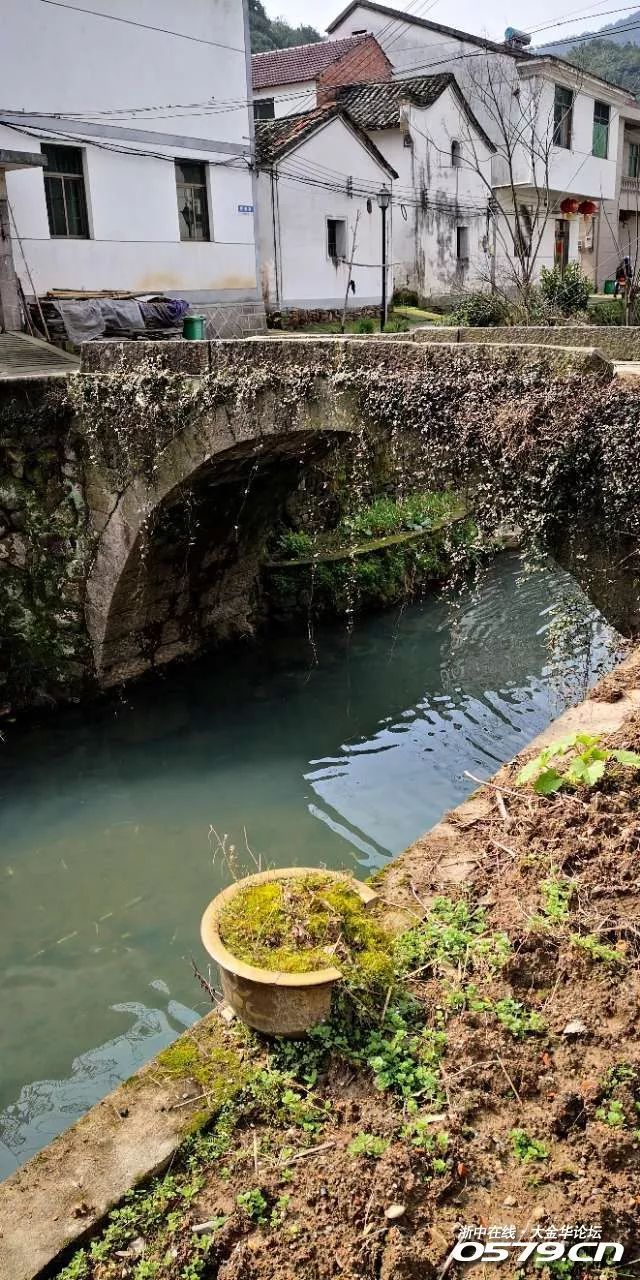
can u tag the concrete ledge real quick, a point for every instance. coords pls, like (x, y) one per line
(61, 1196)
(369, 351)
(617, 342)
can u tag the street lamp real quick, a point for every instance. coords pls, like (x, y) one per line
(384, 200)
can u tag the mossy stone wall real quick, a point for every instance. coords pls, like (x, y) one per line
(44, 546)
(95, 470)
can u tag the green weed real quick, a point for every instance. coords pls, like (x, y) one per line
(255, 1205)
(612, 1114)
(527, 1149)
(517, 1019)
(556, 893)
(578, 761)
(596, 950)
(368, 1144)
(454, 933)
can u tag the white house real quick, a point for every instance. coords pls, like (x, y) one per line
(319, 218)
(425, 128)
(615, 233)
(141, 110)
(570, 118)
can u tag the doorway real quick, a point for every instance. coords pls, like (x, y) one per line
(561, 249)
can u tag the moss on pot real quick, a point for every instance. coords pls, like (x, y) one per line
(304, 925)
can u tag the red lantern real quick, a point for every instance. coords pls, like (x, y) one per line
(587, 208)
(569, 206)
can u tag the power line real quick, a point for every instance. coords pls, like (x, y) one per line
(145, 26)
(583, 17)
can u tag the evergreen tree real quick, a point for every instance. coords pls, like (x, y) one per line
(275, 33)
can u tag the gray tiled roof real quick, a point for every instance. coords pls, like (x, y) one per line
(377, 106)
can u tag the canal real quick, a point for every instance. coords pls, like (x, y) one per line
(340, 753)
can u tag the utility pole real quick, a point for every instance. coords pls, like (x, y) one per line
(384, 200)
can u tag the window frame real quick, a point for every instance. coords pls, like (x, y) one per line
(264, 103)
(563, 117)
(187, 187)
(462, 242)
(336, 222)
(601, 125)
(65, 177)
(633, 169)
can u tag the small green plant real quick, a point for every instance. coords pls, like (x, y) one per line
(607, 313)
(293, 544)
(397, 324)
(366, 325)
(453, 933)
(568, 290)
(526, 1148)
(612, 1114)
(517, 1019)
(254, 1204)
(78, 1268)
(408, 1064)
(596, 950)
(556, 893)
(368, 1144)
(421, 1136)
(578, 761)
(481, 310)
(279, 1211)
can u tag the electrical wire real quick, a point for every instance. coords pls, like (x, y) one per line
(145, 26)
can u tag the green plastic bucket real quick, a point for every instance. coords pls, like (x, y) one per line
(609, 286)
(193, 328)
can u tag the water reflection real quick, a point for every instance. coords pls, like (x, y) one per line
(105, 862)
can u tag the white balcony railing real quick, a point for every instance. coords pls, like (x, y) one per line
(630, 184)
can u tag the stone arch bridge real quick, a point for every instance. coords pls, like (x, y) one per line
(135, 496)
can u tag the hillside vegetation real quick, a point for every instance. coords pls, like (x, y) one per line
(619, 63)
(274, 33)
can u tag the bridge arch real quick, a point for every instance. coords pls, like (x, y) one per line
(178, 549)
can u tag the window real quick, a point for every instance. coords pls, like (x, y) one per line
(601, 117)
(633, 162)
(456, 155)
(193, 212)
(65, 193)
(562, 117)
(264, 109)
(462, 244)
(336, 239)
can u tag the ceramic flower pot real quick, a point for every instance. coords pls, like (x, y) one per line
(279, 1004)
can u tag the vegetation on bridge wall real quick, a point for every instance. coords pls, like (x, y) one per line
(44, 651)
(541, 439)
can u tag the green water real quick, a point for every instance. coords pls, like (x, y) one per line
(106, 850)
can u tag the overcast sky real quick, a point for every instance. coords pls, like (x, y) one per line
(489, 18)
